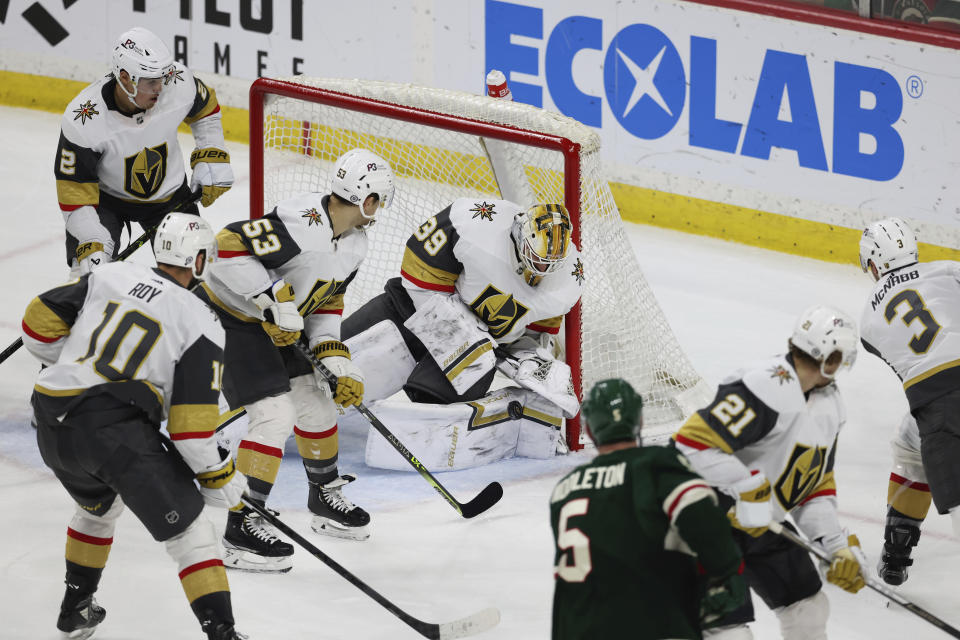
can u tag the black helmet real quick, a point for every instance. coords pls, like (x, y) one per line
(612, 411)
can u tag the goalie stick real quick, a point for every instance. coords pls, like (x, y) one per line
(460, 628)
(883, 590)
(123, 255)
(488, 497)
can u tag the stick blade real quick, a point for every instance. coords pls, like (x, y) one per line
(471, 625)
(490, 495)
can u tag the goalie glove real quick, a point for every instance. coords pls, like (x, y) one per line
(221, 486)
(846, 567)
(90, 255)
(754, 509)
(335, 356)
(538, 371)
(282, 320)
(211, 172)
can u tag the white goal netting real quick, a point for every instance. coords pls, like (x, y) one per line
(432, 144)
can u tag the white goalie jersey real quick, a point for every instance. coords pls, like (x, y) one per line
(466, 250)
(912, 321)
(293, 243)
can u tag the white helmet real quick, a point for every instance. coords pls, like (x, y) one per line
(181, 237)
(541, 237)
(889, 244)
(142, 55)
(359, 173)
(820, 331)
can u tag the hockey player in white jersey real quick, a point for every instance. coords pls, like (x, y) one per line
(125, 347)
(279, 276)
(912, 321)
(768, 443)
(119, 159)
(484, 284)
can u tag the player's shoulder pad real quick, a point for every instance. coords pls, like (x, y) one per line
(774, 382)
(306, 220)
(472, 216)
(84, 120)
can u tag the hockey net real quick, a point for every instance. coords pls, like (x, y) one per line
(441, 144)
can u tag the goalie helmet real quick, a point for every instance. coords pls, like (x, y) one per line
(889, 244)
(142, 55)
(180, 238)
(541, 238)
(612, 412)
(359, 173)
(821, 331)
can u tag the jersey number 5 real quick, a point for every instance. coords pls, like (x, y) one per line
(576, 565)
(257, 227)
(918, 311)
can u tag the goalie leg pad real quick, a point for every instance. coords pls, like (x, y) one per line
(456, 339)
(540, 427)
(805, 619)
(384, 359)
(445, 437)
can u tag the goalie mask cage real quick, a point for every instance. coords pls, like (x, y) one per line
(443, 145)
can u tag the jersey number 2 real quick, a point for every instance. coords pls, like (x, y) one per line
(576, 565)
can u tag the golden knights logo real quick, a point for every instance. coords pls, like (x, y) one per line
(87, 110)
(320, 293)
(483, 210)
(780, 373)
(499, 310)
(578, 271)
(144, 172)
(313, 217)
(805, 468)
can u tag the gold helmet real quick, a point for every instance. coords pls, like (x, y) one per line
(541, 238)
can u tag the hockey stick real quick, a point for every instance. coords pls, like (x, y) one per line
(123, 255)
(883, 590)
(480, 503)
(461, 628)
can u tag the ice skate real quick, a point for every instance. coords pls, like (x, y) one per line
(249, 545)
(334, 515)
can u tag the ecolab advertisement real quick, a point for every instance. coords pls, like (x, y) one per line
(720, 105)
(784, 116)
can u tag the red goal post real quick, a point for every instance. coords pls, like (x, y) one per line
(439, 143)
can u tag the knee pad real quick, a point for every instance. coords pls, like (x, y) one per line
(805, 619)
(198, 543)
(97, 526)
(271, 420)
(383, 358)
(729, 632)
(315, 411)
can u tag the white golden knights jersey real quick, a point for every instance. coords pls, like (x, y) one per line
(466, 249)
(912, 321)
(132, 333)
(761, 416)
(107, 156)
(293, 243)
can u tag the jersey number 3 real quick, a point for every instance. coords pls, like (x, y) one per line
(917, 311)
(576, 565)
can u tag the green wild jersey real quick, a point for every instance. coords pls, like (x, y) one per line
(626, 526)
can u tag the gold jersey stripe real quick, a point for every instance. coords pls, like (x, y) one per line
(42, 321)
(550, 323)
(697, 430)
(318, 448)
(207, 109)
(193, 418)
(228, 240)
(908, 500)
(417, 268)
(333, 303)
(78, 193)
(932, 372)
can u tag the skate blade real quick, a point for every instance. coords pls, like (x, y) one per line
(327, 527)
(79, 634)
(241, 560)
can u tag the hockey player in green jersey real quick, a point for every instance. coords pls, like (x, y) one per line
(642, 550)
